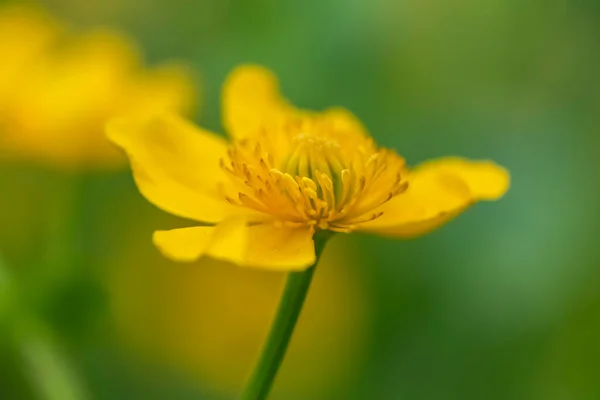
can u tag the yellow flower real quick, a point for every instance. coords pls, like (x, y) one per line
(56, 106)
(287, 174)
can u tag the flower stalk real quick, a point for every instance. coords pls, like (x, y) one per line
(46, 366)
(290, 306)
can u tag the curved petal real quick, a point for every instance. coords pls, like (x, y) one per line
(226, 241)
(418, 228)
(250, 97)
(260, 246)
(280, 248)
(175, 165)
(184, 244)
(486, 180)
(439, 191)
(344, 121)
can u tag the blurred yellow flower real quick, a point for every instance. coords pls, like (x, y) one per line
(56, 99)
(286, 174)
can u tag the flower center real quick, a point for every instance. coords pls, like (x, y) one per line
(319, 179)
(311, 154)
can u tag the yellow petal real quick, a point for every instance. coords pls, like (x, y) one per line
(284, 249)
(344, 121)
(259, 246)
(250, 99)
(418, 228)
(167, 88)
(438, 191)
(175, 165)
(26, 34)
(185, 244)
(485, 179)
(226, 241)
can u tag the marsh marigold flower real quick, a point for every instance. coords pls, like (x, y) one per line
(285, 175)
(57, 91)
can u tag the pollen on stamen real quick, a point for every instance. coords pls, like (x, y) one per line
(263, 164)
(322, 181)
(231, 201)
(403, 187)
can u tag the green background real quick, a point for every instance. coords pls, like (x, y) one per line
(503, 303)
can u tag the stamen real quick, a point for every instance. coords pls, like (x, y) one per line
(250, 202)
(309, 183)
(369, 219)
(264, 165)
(327, 188)
(309, 174)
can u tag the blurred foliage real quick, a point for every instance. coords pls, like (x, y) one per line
(501, 304)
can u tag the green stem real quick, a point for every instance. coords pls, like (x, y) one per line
(47, 368)
(45, 362)
(6, 294)
(44, 365)
(290, 306)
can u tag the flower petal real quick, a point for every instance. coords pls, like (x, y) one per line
(226, 241)
(344, 121)
(36, 32)
(260, 246)
(170, 87)
(438, 191)
(184, 244)
(486, 180)
(250, 98)
(175, 165)
(280, 248)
